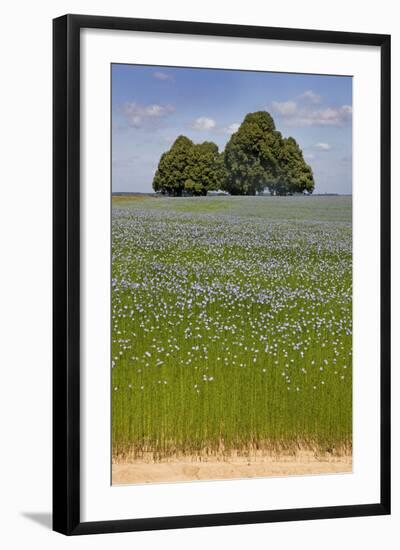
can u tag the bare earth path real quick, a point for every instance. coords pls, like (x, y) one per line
(233, 468)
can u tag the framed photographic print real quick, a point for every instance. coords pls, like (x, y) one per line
(221, 274)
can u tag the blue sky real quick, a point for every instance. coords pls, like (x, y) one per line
(152, 105)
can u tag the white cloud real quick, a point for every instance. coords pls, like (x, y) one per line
(161, 76)
(232, 128)
(307, 113)
(311, 96)
(204, 123)
(139, 115)
(322, 146)
(284, 108)
(309, 156)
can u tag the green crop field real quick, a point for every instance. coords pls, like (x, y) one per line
(231, 325)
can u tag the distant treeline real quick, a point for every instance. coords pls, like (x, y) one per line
(127, 193)
(255, 158)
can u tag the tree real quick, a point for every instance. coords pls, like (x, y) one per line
(258, 157)
(294, 175)
(189, 168)
(252, 155)
(205, 170)
(170, 175)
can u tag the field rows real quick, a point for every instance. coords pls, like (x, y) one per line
(231, 326)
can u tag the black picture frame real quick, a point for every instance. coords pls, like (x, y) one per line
(66, 273)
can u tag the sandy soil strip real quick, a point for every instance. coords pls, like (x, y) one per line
(238, 467)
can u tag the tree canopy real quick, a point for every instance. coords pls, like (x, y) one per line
(190, 168)
(205, 170)
(256, 157)
(170, 175)
(294, 175)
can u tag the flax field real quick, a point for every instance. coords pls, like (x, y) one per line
(231, 325)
